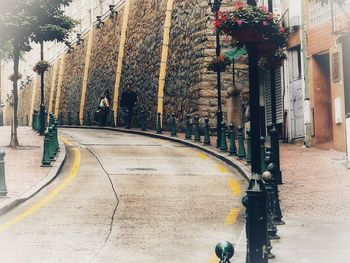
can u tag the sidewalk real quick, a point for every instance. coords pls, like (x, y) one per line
(23, 173)
(315, 199)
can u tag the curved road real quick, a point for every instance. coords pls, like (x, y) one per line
(127, 198)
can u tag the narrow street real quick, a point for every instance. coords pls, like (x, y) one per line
(127, 198)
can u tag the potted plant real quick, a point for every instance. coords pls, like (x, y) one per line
(274, 61)
(41, 67)
(14, 77)
(219, 64)
(248, 24)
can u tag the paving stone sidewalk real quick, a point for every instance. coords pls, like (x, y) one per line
(315, 199)
(22, 166)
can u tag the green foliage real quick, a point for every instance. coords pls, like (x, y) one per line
(219, 64)
(41, 67)
(33, 20)
(251, 24)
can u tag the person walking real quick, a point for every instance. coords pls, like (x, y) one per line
(103, 109)
(127, 102)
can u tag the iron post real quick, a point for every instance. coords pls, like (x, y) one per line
(3, 188)
(257, 224)
(206, 140)
(223, 143)
(233, 149)
(159, 124)
(173, 125)
(197, 134)
(224, 251)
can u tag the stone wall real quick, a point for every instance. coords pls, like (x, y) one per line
(142, 56)
(72, 82)
(103, 64)
(189, 88)
(24, 101)
(185, 59)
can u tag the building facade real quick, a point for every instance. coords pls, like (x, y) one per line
(327, 56)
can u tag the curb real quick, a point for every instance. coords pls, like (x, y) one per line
(9, 204)
(241, 167)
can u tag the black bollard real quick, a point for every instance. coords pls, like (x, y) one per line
(69, 118)
(197, 134)
(55, 124)
(88, 118)
(173, 125)
(46, 152)
(257, 224)
(223, 143)
(78, 118)
(269, 181)
(224, 251)
(276, 154)
(52, 147)
(60, 119)
(112, 122)
(206, 132)
(127, 122)
(241, 149)
(188, 130)
(249, 147)
(233, 149)
(143, 121)
(159, 124)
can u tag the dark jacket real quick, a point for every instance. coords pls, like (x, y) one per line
(128, 99)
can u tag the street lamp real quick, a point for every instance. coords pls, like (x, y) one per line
(273, 132)
(215, 7)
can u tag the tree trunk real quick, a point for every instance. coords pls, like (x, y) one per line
(14, 139)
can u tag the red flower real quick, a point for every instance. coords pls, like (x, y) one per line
(217, 23)
(282, 30)
(238, 4)
(269, 17)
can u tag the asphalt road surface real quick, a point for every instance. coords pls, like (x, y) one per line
(128, 199)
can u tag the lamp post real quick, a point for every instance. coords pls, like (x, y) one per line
(256, 201)
(215, 7)
(42, 102)
(273, 132)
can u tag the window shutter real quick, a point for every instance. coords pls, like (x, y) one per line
(279, 104)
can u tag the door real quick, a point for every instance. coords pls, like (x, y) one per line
(296, 94)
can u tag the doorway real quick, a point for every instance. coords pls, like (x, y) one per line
(322, 118)
(296, 94)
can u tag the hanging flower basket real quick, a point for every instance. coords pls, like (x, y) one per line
(274, 61)
(14, 77)
(249, 24)
(219, 64)
(41, 67)
(267, 48)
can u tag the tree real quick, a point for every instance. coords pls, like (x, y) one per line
(53, 24)
(30, 20)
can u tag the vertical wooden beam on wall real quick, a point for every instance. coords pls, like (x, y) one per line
(35, 84)
(164, 58)
(52, 89)
(85, 77)
(120, 59)
(59, 84)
